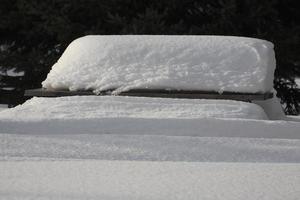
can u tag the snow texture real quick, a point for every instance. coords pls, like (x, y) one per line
(138, 116)
(114, 147)
(18, 147)
(210, 63)
(3, 107)
(132, 180)
(91, 107)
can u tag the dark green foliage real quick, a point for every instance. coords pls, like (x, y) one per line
(36, 32)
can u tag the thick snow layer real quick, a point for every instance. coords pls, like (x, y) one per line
(147, 148)
(91, 107)
(140, 116)
(212, 63)
(205, 127)
(134, 180)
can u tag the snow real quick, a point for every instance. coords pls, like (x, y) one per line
(138, 115)
(20, 147)
(148, 180)
(204, 127)
(272, 107)
(115, 147)
(295, 118)
(91, 107)
(211, 63)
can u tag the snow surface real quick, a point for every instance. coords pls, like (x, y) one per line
(212, 63)
(140, 115)
(100, 147)
(132, 180)
(34, 147)
(293, 118)
(91, 107)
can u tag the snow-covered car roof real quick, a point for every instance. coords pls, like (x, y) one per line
(124, 62)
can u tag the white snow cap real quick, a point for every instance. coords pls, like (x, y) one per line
(124, 62)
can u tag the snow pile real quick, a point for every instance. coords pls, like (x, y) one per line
(91, 107)
(211, 63)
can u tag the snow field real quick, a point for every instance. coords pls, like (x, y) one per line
(147, 180)
(211, 63)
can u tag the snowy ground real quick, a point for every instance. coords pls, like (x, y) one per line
(147, 148)
(148, 180)
(85, 166)
(124, 148)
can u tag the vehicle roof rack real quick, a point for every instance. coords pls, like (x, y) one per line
(188, 94)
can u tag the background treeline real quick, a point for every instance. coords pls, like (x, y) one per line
(34, 33)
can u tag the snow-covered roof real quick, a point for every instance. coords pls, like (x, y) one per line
(210, 63)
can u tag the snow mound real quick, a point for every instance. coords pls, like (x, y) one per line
(91, 107)
(210, 63)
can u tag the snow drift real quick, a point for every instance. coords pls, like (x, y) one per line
(210, 63)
